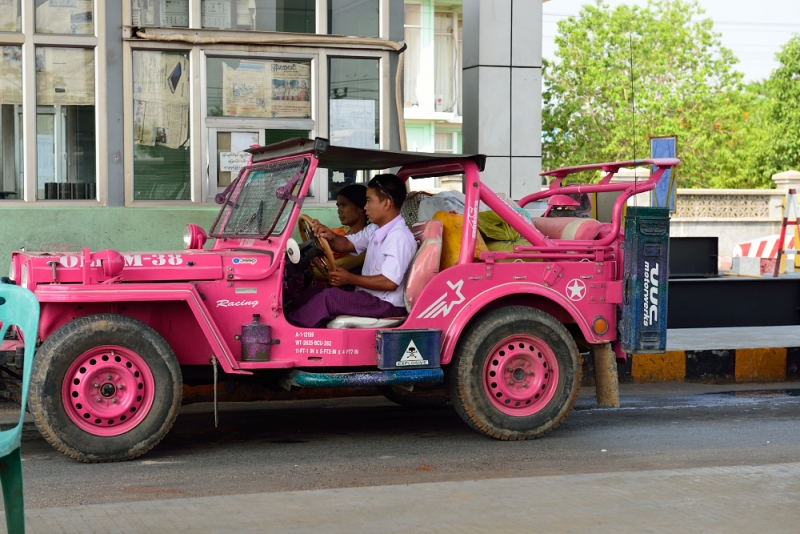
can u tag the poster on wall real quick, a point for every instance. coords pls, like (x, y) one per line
(65, 16)
(271, 89)
(352, 123)
(11, 75)
(161, 99)
(244, 92)
(663, 195)
(160, 13)
(9, 16)
(64, 76)
(291, 95)
(216, 14)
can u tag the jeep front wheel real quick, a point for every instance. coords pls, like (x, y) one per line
(105, 388)
(516, 373)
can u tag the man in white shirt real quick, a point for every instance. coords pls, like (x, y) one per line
(389, 246)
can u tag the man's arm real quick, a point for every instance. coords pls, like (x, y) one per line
(376, 282)
(338, 243)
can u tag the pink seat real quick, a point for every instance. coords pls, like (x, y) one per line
(426, 262)
(567, 227)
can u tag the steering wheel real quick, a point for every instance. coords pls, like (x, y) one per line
(326, 263)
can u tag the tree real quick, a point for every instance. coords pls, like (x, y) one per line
(684, 83)
(777, 147)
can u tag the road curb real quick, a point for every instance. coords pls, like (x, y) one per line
(769, 364)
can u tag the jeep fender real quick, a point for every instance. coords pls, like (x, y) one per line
(482, 300)
(182, 292)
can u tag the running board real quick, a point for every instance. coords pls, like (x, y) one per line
(409, 377)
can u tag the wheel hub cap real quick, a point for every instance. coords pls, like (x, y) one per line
(520, 375)
(108, 390)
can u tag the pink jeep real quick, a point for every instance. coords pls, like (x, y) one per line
(119, 331)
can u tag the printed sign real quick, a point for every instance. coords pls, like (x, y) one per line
(411, 356)
(232, 161)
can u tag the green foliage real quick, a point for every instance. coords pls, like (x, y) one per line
(776, 143)
(684, 83)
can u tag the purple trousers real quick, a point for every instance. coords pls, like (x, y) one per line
(315, 307)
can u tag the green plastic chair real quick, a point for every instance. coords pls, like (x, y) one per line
(18, 307)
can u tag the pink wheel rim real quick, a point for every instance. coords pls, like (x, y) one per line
(108, 390)
(520, 376)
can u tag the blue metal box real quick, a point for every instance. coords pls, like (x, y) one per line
(408, 349)
(643, 327)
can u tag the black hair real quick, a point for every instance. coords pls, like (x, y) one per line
(389, 186)
(355, 193)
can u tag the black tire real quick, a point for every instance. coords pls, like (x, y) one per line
(67, 344)
(421, 397)
(466, 372)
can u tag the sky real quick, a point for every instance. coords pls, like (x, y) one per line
(753, 29)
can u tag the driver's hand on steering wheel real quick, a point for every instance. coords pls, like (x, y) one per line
(320, 230)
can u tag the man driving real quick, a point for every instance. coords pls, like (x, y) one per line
(389, 247)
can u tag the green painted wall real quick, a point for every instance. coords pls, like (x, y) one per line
(419, 136)
(121, 229)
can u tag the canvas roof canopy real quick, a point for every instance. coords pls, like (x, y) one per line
(346, 158)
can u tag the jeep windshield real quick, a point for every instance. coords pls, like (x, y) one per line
(258, 203)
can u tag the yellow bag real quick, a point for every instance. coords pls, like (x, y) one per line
(494, 228)
(453, 224)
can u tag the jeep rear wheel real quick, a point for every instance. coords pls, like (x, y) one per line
(105, 388)
(516, 374)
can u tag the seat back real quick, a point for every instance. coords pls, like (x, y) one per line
(567, 227)
(425, 264)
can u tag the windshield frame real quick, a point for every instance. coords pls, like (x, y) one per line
(268, 226)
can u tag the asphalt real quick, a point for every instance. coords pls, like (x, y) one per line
(740, 498)
(730, 465)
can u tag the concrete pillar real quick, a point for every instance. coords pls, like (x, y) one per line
(502, 76)
(787, 180)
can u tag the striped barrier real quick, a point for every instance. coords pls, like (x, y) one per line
(725, 365)
(764, 247)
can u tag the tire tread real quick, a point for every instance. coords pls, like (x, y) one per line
(458, 379)
(97, 323)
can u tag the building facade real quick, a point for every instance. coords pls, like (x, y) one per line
(122, 120)
(432, 85)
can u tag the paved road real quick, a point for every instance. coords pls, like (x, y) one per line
(702, 500)
(362, 442)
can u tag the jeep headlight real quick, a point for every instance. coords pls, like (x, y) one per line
(187, 238)
(24, 277)
(194, 237)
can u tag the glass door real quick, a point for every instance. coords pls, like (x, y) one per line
(227, 148)
(226, 151)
